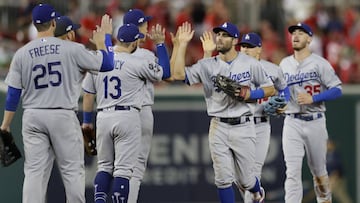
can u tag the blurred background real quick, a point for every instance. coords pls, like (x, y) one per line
(180, 167)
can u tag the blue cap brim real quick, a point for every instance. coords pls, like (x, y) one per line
(292, 28)
(148, 18)
(76, 26)
(248, 43)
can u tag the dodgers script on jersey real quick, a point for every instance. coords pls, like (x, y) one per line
(46, 61)
(149, 86)
(276, 75)
(313, 75)
(125, 84)
(244, 69)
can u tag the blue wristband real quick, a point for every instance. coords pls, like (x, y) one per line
(87, 117)
(285, 93)
(257, 94)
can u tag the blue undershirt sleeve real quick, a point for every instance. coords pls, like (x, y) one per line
(327, 95)
(164, 61)
(108, 56)
(12, 98)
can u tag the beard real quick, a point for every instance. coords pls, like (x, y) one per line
(223, 48)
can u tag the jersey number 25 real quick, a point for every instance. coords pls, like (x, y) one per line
(50, 72)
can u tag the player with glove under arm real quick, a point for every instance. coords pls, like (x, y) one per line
(312, 81)
(232, 130)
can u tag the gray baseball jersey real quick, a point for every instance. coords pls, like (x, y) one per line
(276, 75)
(244, 69)
(313, 75)
(119, 132)
(125, 84)
(149, 86)
(50, 70)
(304, 129)
(147, 125)
(232, 147)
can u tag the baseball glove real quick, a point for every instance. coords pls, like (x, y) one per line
(89, 136)
(231, 87)
(9, 152)
(274, 106)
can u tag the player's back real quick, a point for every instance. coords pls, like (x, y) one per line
(125, 84)
(48, 71)
(149, 86)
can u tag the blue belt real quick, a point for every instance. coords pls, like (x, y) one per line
(262, 119)
(236, 120)
(306, 117)
(118, 108)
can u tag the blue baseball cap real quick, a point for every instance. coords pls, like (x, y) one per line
(252, 39)
(301, 26)
(43, 13)
(136, 17)
(230, 28)
(64, 25)
(129, 33)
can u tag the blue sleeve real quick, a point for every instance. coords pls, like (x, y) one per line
(327, 95)
(108, 56)
(285, 93)
(257, 94)
(12, 99)
(164, 61)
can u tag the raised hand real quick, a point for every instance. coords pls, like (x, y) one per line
(106, 24)
(207, 41)
(185, 33)
(157, 34)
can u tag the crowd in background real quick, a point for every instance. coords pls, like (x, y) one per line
(336, 25)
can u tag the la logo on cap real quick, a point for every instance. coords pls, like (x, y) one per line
(224, 25)
(68, 28)
(247, 37)
(299, 24)
(141, 20)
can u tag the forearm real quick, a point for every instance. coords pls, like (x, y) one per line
(179, 62)
(269, 91)
(8, 117)
(88, 106)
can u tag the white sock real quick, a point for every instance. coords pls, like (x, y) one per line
(134, 190)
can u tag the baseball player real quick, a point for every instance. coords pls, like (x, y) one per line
(46, 73)
(311, 81)
(138, 18)
(65, 28)
(251, 45)
(232, 130)
(119, 100)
